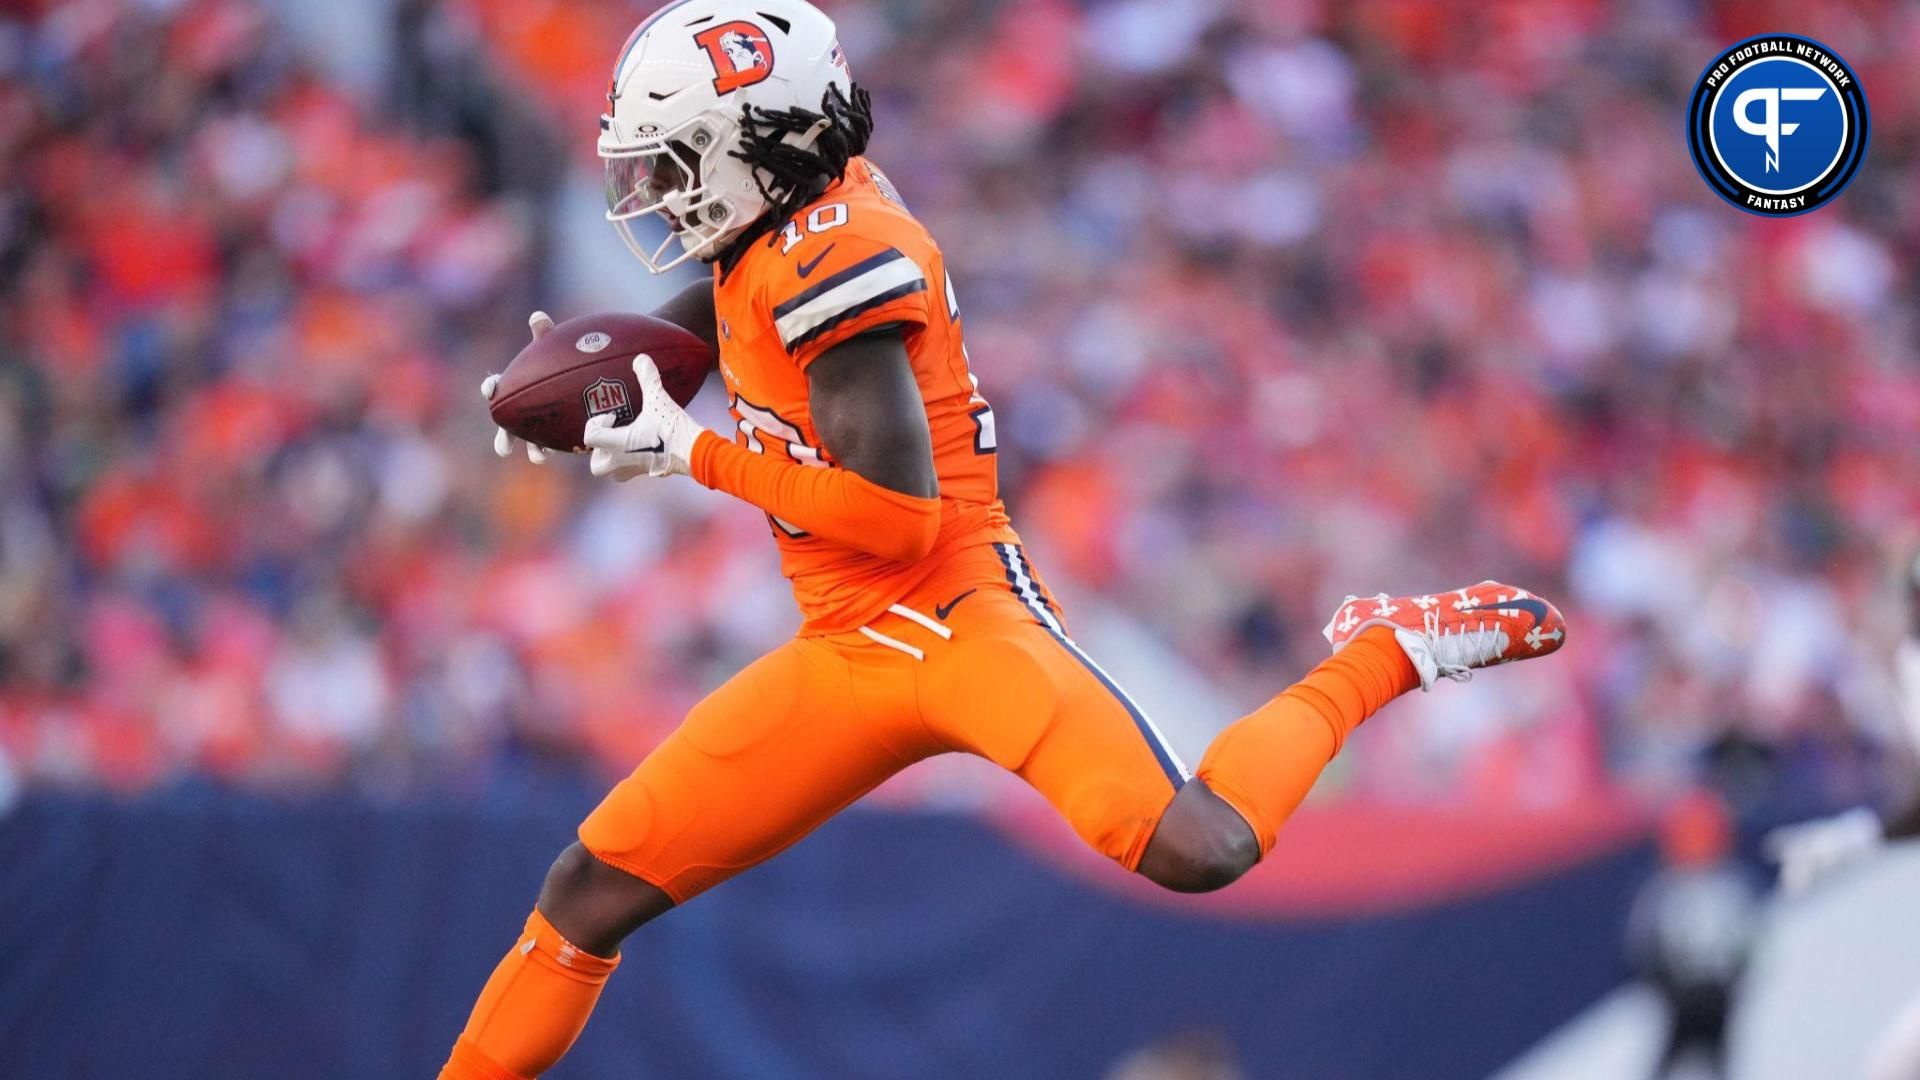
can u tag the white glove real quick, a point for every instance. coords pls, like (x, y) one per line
(660, 440)
(539, 322)
(1813, 850)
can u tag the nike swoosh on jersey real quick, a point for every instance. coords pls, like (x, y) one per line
(941, 611)
(1535, 608)
(806, 269)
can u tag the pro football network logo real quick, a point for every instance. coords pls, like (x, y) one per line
(609, 396)
(1778, 125)
(740, 52)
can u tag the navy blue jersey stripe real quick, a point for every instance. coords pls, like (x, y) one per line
(863, 267)
(1167, 764)
(887, 297)
(1047, 620)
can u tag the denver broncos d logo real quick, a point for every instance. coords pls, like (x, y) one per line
(740, 52)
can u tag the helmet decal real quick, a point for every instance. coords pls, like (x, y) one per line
(740, 52)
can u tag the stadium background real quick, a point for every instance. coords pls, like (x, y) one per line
(300, 688)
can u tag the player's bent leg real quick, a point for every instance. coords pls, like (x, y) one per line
(1011, 686)
(596, 906)
(1016, 689)
(765, 759)
(555, 973)
(568, 951)
(1032, 701)
(531, 1009)
(756, 766)
(1265, 763)
(1201, 844)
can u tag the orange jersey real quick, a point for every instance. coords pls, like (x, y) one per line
(853, 260)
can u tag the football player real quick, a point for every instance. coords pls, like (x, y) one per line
(864, 437)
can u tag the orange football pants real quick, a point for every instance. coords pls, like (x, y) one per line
(976, 659)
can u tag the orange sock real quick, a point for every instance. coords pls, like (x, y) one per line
(1264, 764)
(531, 1009)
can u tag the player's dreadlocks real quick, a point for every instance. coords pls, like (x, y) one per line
(798, 174)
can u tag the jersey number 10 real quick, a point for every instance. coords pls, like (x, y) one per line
(830, 216)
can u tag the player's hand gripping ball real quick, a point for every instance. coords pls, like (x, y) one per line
(584, 368)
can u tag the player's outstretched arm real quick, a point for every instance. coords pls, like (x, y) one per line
(867, 410)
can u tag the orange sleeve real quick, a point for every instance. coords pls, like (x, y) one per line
(858, 281)
(835, 504)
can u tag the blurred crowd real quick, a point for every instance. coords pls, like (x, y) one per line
(1276, 300)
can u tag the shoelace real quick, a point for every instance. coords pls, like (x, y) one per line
(1456, 652)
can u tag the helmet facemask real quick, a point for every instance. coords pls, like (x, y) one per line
(673, 175)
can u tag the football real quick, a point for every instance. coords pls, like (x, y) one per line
(584, 367)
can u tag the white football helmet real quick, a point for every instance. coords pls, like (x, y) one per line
(674, 115)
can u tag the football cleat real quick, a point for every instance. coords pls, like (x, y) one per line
(1447, 635)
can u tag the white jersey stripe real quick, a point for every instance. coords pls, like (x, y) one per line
(832, 304)
(1029, 593)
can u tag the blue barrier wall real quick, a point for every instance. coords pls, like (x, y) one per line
(204, 935)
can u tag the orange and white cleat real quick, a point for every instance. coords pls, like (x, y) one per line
(1449, 634)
